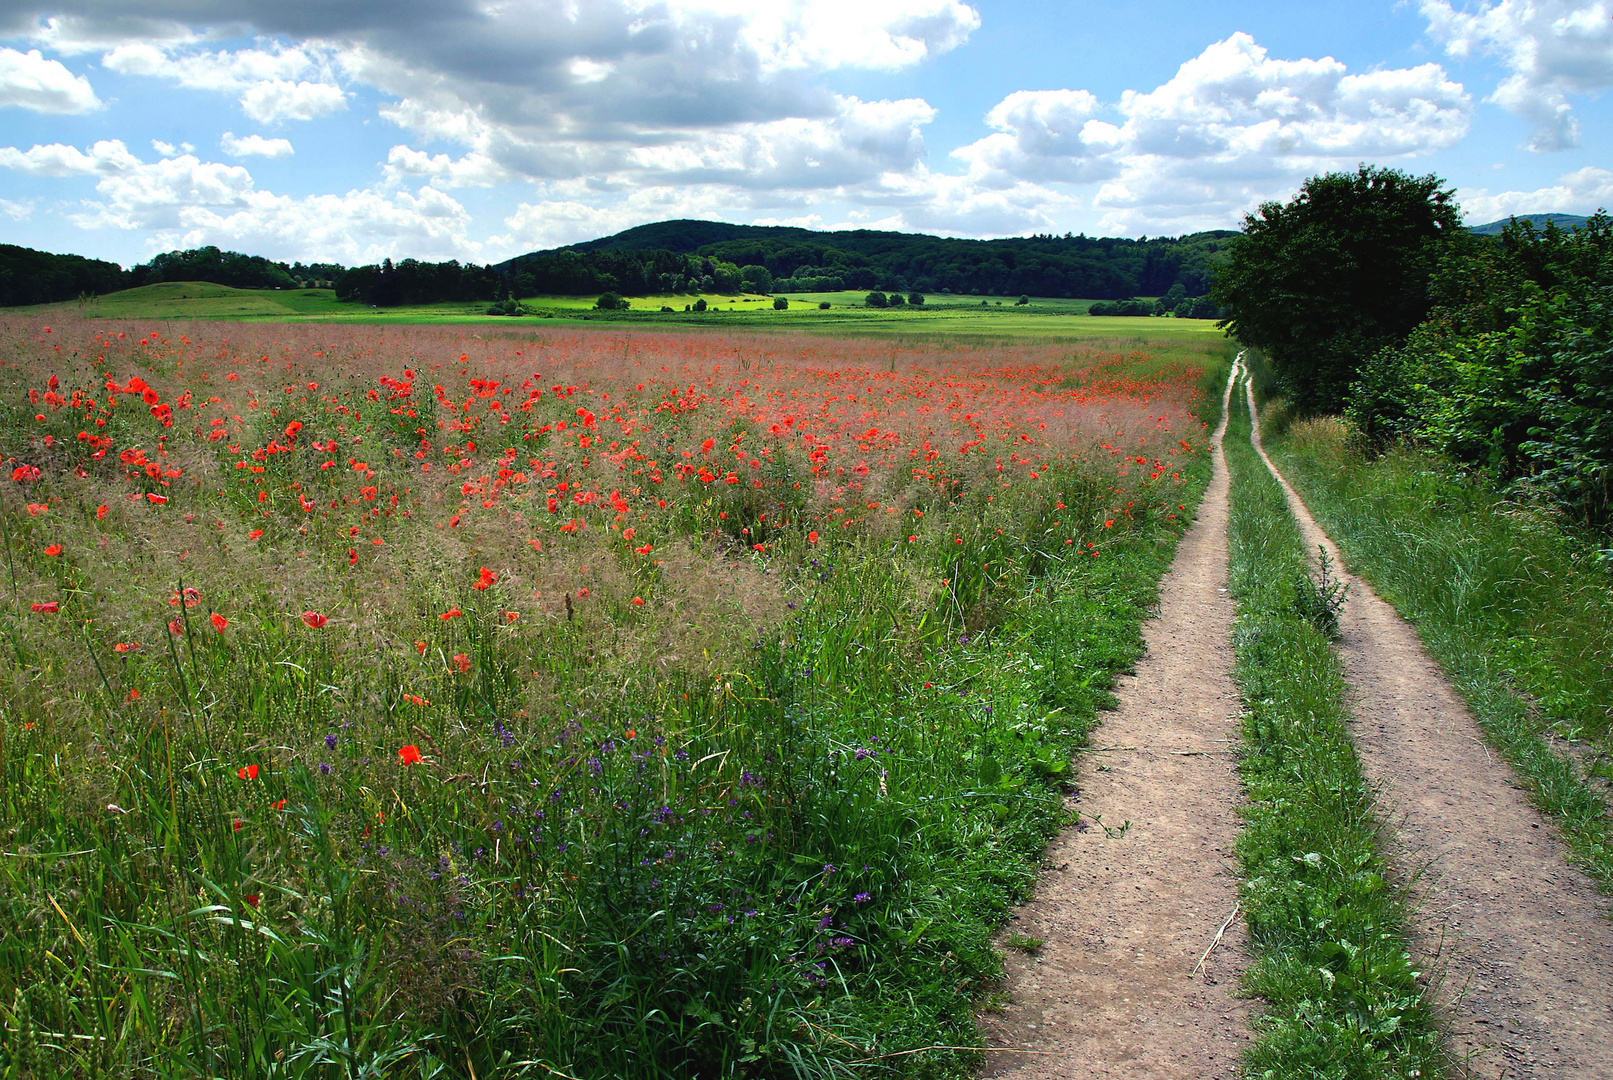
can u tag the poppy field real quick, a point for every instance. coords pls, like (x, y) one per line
(407, 701)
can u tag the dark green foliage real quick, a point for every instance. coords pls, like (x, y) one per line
(413, 282)
(1339, 272)
(217, 267)
(823, 305)
(508, 306)
(610, 302)
(781, 303)
(876, 300)
(38, 277)
(1130, 307)
(915, 299)
(1514, 371)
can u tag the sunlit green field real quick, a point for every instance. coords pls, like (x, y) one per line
(942, 315)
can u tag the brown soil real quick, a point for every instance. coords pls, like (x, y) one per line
(1126, 918)
(1523, 940)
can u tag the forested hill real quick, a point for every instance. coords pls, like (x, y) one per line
(670, 255)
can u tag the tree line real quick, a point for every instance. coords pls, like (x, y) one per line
(1371, 300)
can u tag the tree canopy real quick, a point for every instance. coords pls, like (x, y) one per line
(1340, 271)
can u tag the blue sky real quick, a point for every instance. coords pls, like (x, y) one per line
(350, 130)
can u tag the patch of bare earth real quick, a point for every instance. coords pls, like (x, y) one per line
(1522, 939)
(1125, 919)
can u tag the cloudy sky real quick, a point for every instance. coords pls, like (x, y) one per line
(349, 130)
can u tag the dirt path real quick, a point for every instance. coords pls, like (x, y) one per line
(1526, 945)
(1126, 919)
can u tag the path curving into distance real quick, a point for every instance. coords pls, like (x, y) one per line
(1125, 919)
(1524, 940)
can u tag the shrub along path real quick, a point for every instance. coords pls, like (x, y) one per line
(1125, 912)
(1523, 939)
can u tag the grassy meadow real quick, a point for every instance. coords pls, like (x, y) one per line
(552, 700)
(951, 317)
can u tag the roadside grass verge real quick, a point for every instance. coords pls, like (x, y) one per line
(1343, 995)
(1516, 609)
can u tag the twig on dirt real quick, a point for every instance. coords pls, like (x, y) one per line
(1217, 940)
(1104, 749)
(926, 1049)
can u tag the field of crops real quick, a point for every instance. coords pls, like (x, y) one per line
(549, 701)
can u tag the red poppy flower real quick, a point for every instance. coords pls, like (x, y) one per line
(451, 613)
(235, 825)
(219, 622)
(485, 579)
(251, 898)
(174, 627)
(462, 662)
(100, 512)
(280, 805)
(812, 537)
(254, 534)
(247, 772)
(420, 647)
(638, 601)
(409, 755)
(134, 695)
(153, 497)
(49, 607)
(511, 616)
(314, 619)
(53, 550)
(126, 646)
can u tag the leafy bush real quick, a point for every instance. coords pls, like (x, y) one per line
(610, 302)
(876, 299)
(781, 303)
(1515, 373)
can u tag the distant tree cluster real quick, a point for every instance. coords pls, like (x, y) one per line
(218, 267)
(38, 277)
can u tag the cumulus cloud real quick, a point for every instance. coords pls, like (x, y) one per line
(1552, 48)
(1583, 191)
(182, 201)
(272, 83)
(29, 81)
(1232, 127)
(254, 145)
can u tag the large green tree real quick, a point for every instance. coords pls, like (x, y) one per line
(1340, 271)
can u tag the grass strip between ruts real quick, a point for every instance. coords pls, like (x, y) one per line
(1512, 607)
(1343, 994)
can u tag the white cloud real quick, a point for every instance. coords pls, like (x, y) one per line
(29, 81)
(109, 157)
(255, 145)
(17, 211)
(1583, 191)
(1552, 48)
(471, 170)
(272, 83)
(185, 202)
(282, 99)
(1231, 128)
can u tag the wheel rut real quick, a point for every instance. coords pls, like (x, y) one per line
(1125, 918)
(1522, 939)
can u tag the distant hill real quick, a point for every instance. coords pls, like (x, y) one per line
(671, 256)
(1539, 221)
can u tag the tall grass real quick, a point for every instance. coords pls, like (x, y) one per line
(1343, 997)
(735, 781)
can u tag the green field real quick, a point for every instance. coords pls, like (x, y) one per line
(943, 315)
